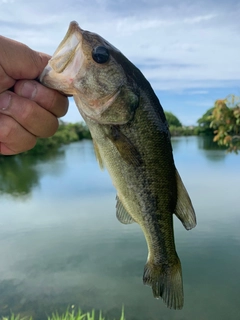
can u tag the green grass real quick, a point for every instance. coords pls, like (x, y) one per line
(17, 317)
(69, 315)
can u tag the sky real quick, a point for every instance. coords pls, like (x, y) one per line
(188, 50)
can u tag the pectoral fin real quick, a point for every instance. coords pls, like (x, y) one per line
(125, 147)
(122, 215)
(98, 156)
(184, 209)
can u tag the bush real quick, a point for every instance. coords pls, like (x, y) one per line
(67, 133)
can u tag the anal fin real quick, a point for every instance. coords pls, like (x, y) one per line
(122, 215)
(184, 209)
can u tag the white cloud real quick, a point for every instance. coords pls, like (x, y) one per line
(178, 45)
(199, 92)
(198, 19)
(6, 1)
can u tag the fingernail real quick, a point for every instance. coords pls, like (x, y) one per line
(29, 90)
(5, 100)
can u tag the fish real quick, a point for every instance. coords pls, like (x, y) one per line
(132, 141)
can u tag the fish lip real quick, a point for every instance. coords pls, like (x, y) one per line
(67, 59)
(44, 73)
(73, 28)
(67, 49)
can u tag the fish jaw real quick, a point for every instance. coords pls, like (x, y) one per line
(66, 64)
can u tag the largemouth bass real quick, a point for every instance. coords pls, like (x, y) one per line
(131, 139)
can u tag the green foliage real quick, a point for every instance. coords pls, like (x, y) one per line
(67, 133)
(172, 119)
(204, 123)
(17, 175)
(225, 121)
(183, 131)
(72, 316)
(68, 315)
(81, 316)
(17, 317)
(82, 131)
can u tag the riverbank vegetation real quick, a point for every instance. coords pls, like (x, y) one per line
(69, 315)
(176, 128)
(67, 133)
(71, 132)
(225, 121)
(221, 122)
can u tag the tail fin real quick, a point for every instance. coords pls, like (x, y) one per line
(166, 282)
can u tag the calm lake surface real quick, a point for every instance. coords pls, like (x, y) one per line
(61, 244)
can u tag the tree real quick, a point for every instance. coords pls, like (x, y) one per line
(204, 123)
(172, 119)
(225, 120)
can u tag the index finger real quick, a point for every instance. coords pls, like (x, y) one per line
(19, 61)
(49, 99)
(6, 82)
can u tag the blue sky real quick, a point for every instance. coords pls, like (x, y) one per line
(188, 50)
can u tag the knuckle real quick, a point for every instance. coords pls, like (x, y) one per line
(65, 106)
(6, 81)
(27, 110)
(8, 126)
(53, 100)
(50, 129)
(59, 104)
(39, 61)
(30, 145)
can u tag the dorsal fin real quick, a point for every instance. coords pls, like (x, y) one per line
(122, 215)
(184, 209)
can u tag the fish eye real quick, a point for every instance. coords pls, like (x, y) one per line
(100, 54)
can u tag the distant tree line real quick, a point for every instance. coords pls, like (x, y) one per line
(67, 133)
(176, 128)
(221, 122)
(71, 132)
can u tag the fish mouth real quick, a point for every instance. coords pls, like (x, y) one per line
(66, 61)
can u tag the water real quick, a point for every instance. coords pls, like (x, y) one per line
(61, 244)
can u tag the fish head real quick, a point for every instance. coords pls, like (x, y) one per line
(89, 68)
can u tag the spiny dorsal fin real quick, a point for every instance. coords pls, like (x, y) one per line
(184, 209)
(122, 215)
(98, 156)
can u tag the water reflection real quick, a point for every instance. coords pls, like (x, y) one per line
(176, 142)
(20, 174)
(211, 149)
(17, 175)
(64, 245)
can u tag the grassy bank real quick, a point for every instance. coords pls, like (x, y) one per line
(71, 132)
(69, 315)
(67, 133)
(183, 131)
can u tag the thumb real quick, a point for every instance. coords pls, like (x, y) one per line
(19, 61)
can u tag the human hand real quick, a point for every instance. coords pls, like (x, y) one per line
(27, 109)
